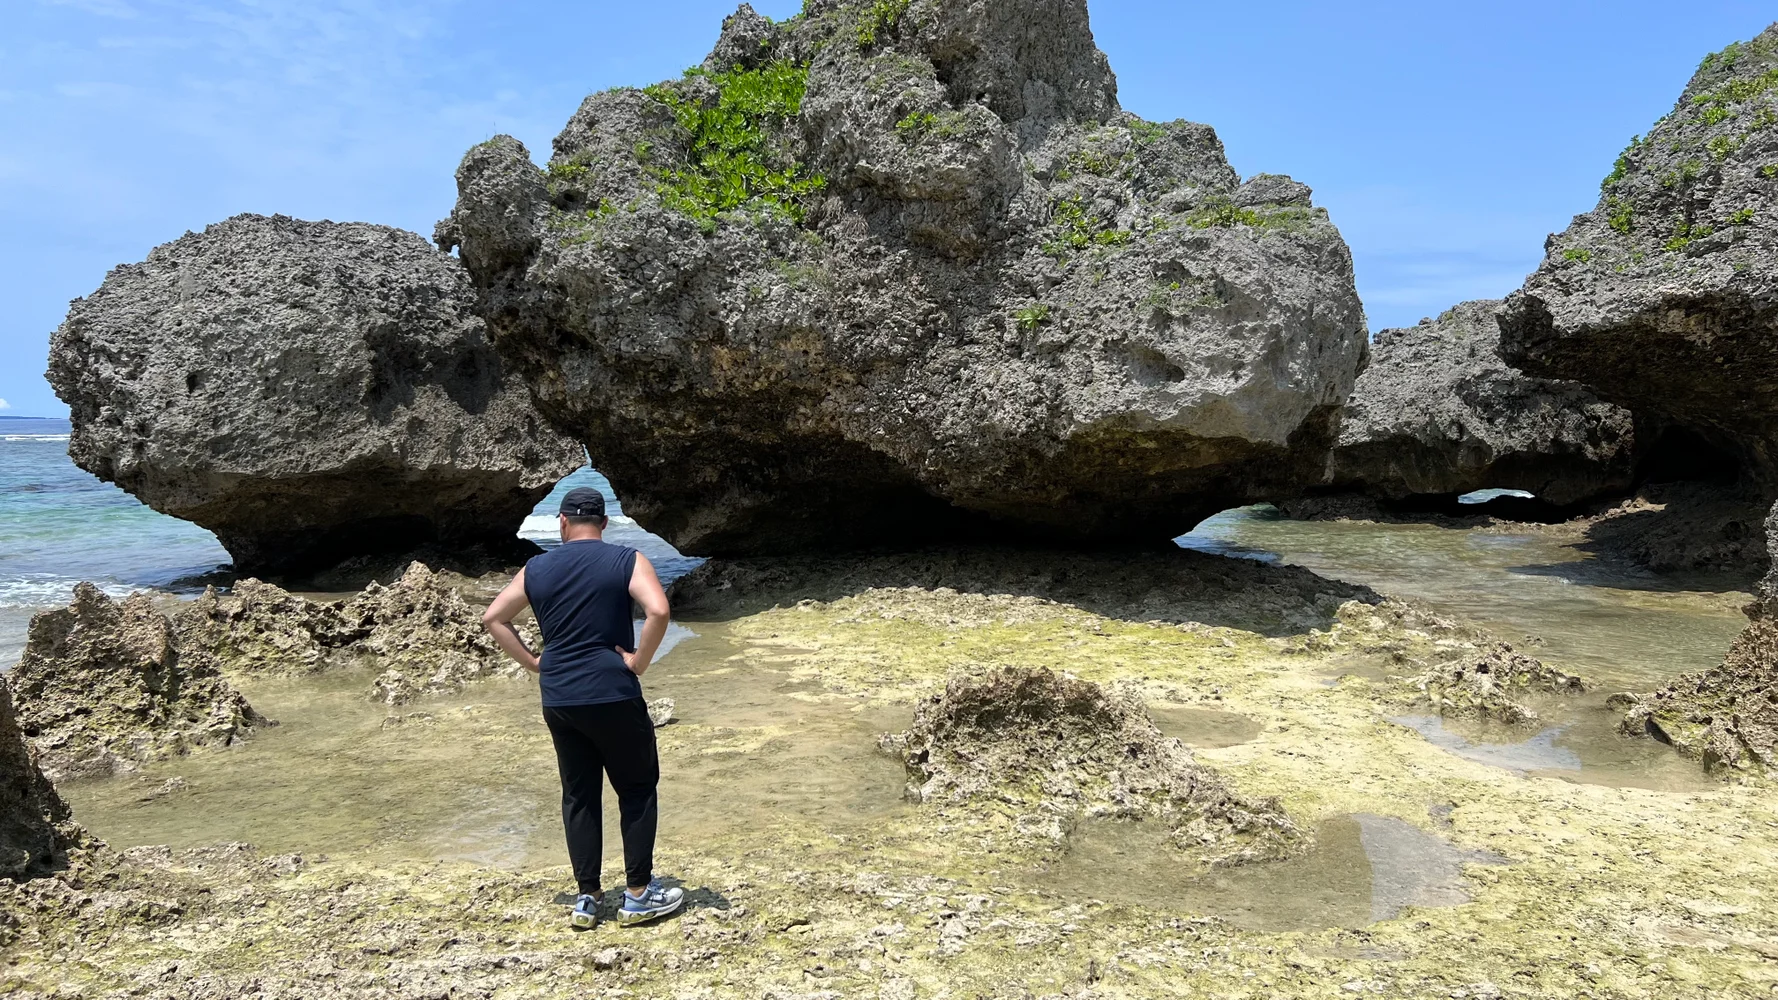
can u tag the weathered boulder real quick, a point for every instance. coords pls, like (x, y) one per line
(101, 687)
(1059, 749)
(1726, 717)
(309, 391)
(257, 628)
(893, 269)
(1438, 412)
(1664, 298)
(35, 826)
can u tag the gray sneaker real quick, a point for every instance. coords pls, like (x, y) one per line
(586, 913)
(655, 902)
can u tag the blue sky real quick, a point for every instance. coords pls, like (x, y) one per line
(1446, 139)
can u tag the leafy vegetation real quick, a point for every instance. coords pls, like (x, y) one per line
(737, 162)
(1146, 133)
(1579, 255)
(880, 18)
(1686, 233)
(1741, 217)
(1031, 317)
(1619, 215)
(1739, 90)
(1621, 168)
(566, 170)
(1221, 213)
(1077, 230)
(920, 124)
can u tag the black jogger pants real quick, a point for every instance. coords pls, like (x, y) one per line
(615, 739)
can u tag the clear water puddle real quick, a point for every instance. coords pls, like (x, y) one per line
(1204, 728)
(1363, 869)
(1586, 749)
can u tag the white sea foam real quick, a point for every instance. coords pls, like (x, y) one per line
(49, 591)
(33, 437)
(540, 527)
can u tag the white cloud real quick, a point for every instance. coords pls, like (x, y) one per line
(4, 405)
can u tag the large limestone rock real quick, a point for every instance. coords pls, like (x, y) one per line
(35, 828)
(1438, 412)
(899, 269)
(309, 391)
(1056, 749)
(1664, 298)
(101, 687)
(1726, 717)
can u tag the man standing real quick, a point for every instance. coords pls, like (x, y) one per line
(592, 695)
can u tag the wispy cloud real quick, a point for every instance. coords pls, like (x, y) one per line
(4, 405)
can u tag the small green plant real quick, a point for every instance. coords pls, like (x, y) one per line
(944, 125)
(566, 170)
(1741, 217)
(736, 161)
(880, 18)
(1716, 114)
(1721, 146)
(1739, 90)
(1222, 213)
(1146, 133)
(1619, 215)
(1769, 171)
(1031, 317)
(1685, 234)
(1621, 168)
(643, 150)
(1076, 230)
(1578, 254)
(916, 124)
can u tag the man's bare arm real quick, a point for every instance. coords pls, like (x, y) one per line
(645, 587)
(498, 621)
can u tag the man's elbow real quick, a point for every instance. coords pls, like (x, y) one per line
(657, 610)
(490, 619)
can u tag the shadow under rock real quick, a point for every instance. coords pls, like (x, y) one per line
(1137, 585)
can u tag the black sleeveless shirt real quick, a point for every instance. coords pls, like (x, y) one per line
(581, 596)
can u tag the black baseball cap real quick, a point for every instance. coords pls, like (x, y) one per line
(583, 501)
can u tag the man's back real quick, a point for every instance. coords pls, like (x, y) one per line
(581, 596)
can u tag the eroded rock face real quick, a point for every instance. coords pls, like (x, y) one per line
(309, 391)
(1726, 717)
(101, 687)
(35, 826)
(1438, 412)
(940, 283)
(1064, 748)
(1664, 298)
(419, 633)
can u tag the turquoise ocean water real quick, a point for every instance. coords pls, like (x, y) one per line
(60, 525)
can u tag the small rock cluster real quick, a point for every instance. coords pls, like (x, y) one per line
(419, 631)
(1060, 749)
(102, 687)
(1456, 669)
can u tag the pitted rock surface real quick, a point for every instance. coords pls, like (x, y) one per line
(309, 391)
(962, 290)
(259, 628)
(101, 687)
(1438, 412)
(1664, 298)
(36, 829)
(1060, 748)
(1726, 717)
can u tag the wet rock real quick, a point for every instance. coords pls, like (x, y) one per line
(309, 391)
(1453, 667)
(1438, 412)
(102, 687)
(1664, 297)
(1688, 527)
(1060, 749)
(36, 828)
(1726, 717)
(963, 291)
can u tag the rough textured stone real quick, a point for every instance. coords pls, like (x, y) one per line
(1664, 298)
(1438, 412)
(309, 391)
(35, 826)
(258, 628)
(1726, 717)
(964, 291)
(1065, 748)
(101, 687)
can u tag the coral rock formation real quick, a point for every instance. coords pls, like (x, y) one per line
(258, 628)
(1438, 412)
(1063, 749)
(101, 687)
(1664, 298)
(309, 391)
(893, 268)
(35, 828)
(1726, 717)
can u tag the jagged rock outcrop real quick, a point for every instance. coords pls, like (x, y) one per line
(36, 829)
(1438, 412)
(1664, 298)
(309, 391)
(418, 632)
(1726, 717)
(101, 687)
(894, 269)
(1060, 748)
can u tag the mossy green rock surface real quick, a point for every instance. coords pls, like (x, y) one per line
(909, 263)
